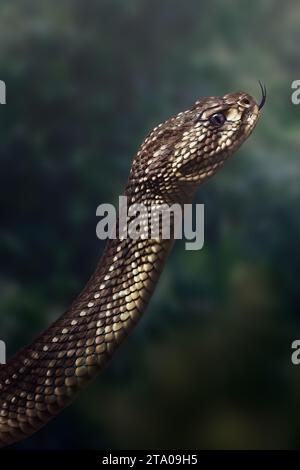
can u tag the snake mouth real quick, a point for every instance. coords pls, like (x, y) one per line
(263, 95)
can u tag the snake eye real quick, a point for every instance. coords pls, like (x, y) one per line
(217, 119)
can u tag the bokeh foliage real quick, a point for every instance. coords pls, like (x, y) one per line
(209, 365)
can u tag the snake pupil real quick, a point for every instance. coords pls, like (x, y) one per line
(217, 119)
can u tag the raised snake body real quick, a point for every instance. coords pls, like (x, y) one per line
(40, 380)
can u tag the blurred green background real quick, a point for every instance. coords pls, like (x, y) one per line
(209, 365)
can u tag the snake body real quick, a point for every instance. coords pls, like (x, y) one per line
(178, 155)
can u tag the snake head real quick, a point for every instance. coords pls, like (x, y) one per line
(215, 128)
(190, 147)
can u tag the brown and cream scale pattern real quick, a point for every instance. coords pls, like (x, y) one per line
(177, 155)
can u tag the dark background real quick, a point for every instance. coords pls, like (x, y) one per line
(209, 365)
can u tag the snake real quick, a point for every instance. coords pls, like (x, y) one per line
(176, 157)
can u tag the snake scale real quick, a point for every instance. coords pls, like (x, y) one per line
(178, 155)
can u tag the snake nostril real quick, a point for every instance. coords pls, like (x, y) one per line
(245, 102)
